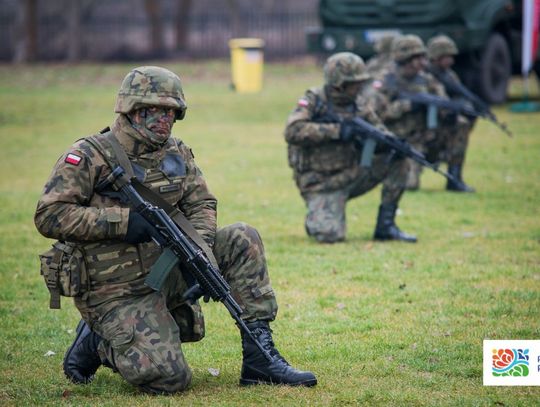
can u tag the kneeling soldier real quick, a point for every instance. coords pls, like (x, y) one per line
(125, 324)
(325, 154)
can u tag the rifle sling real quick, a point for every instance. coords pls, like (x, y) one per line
(120, 157)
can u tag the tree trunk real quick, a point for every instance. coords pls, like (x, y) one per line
(73, 32)
(26, 46)
(153, 11)
(237, 25)
(182, 24)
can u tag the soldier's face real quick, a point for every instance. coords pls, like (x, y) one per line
(445, 61)
(351, 89)
(415, 65)
(158, 120)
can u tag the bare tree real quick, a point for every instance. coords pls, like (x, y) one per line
(237, 25)
(78, 10)
(153, 11)
(182, 24)
(27, 32)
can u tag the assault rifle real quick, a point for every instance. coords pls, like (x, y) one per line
(369, 136)
(455, 88)
(202, 277)
(451, 105)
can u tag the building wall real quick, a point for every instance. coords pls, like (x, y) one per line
(120, 29)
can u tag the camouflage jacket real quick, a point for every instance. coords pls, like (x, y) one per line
(319, 159)
(397, 114)
(71, 210)
(379, 66)
(449, 73)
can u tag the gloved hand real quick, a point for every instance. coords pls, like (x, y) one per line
(417, 107)
(138, 230)
(346, 131)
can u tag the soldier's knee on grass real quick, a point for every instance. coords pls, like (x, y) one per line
(168, 384)
(325, 235)
(154, 366)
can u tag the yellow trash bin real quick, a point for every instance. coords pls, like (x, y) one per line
(246, 64)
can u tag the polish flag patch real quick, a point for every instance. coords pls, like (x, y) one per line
(73, 159)
(303, 103)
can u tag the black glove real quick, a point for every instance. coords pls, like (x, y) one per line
(138, 230)
(346, 131)
(417, 107)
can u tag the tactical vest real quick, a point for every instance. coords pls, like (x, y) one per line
(409, 123)
(117, 269)
(325, 166)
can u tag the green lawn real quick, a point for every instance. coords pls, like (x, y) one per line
(379, 323)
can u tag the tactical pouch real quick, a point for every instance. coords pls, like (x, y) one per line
(64, 269)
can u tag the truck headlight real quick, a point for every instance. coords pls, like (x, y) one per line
(328, 43)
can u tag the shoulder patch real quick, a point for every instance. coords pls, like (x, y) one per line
(73, 159)
(377, 84)
(302, 102)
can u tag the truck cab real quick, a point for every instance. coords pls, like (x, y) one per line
(487, 33)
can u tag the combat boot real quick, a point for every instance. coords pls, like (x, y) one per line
(386, 228)
(458, 185)
(256, 368)
(82, 360)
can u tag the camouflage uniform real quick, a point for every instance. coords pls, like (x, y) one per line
(141, 330)
(409, 122)
(381, 63)
(326, 169)
(459, 129)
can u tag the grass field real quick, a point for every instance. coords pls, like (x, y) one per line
(379, 323)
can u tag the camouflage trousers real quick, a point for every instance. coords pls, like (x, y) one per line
(142, 334)
(325, 219)
(448, 145)
(456, 141)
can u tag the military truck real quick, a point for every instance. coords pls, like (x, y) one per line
(487, 33)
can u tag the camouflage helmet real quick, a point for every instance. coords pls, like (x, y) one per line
(406, 47)
(441, 45)
(383, 45)
(344, 67)
(151, 86)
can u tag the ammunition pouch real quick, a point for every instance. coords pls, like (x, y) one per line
(64, 270)
(327, 158)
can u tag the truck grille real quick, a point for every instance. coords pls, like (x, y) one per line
(375, 13)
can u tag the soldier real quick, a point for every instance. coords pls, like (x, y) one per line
(441, 51)
(325, 158)
(126, 325)
(410, 121)
(381, 63)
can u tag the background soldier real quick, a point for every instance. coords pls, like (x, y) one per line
(325, 158)
(410, 121)
(441, 51)
(126, 325)
(381, 63)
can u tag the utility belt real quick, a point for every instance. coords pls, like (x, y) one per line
(75, 269)
(328, 158)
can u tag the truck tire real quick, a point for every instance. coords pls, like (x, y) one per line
(494, 69)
